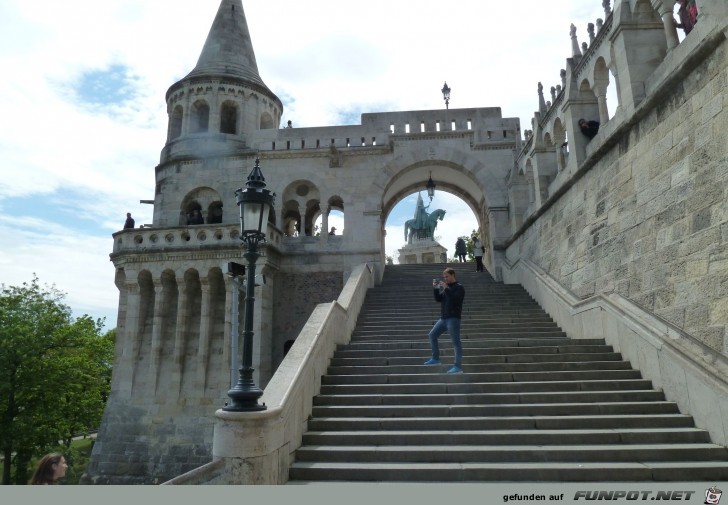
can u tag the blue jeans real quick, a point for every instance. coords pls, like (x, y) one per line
(452, 325)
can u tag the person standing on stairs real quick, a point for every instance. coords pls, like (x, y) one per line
(450, 293)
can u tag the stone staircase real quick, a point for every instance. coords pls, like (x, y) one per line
(531, 405)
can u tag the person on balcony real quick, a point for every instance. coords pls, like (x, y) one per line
(589, 128)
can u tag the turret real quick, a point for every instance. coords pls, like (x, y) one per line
(213, 108)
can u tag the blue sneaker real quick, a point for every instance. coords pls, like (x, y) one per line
(432, 361)
(455, 369)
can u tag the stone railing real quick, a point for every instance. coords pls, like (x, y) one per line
(185, 237)
(690, 373)
(256, 447)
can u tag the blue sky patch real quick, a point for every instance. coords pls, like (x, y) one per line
(57, 208)
(111, 86)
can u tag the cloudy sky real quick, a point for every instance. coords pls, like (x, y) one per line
(84, 119)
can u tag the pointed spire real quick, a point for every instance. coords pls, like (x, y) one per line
(228, 50)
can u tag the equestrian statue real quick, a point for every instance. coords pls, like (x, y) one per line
(423, 225)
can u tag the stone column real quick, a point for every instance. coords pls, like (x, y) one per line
(600, 90)
(181, 332)
(668, 21)
(325, 225)
(131, 340)
(157, 329)
(231, 294)
(203, 350)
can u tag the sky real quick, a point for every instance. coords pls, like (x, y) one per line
(84, 117)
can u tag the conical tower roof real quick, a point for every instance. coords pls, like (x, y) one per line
(228, 50)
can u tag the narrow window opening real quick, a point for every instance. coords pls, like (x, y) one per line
(437, 126)
(303, 144)
(422, 127)
(406, 128)
(374, 141)
(274, 146)
(363, 142)
(348, 144)
(452, 125)
(332, 142)
(470, 124)
(288, 144)
(318, 143)
(391, 128)
(490, 134)
(505, 133)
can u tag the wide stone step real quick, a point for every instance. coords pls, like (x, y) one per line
(508, 437)
(502, 346)
(519, 472)
(381, 332)
(446, 356)
(491, 398)
(500, 423)
(428, 386)
(518, 453)
(655, 407)
(353, 374)
(483, 353)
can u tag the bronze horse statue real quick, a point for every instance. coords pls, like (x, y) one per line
(427, 231)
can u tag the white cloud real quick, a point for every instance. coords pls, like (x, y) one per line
(322, 56)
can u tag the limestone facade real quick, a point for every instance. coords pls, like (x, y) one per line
(640, 210)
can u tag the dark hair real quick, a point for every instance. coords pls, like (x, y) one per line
(449, 271)
(44, 473)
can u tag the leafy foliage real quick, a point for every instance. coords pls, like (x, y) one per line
(55, 374)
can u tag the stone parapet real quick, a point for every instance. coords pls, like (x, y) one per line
(689, 372)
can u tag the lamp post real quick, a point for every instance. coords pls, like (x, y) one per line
(446, 95)
(430, 187)
(255, 202)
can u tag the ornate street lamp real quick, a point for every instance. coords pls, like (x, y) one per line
(446, 95)
(255, 202)
(430, 187)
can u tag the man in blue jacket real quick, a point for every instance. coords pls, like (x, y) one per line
(450, 293)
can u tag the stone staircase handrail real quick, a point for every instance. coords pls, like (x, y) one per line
(689, 372)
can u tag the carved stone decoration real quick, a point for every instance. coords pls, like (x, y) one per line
(553, 94)
(575, 51)
(334, 157)
(600, 23)
(563, 78)
(541, 101)
(590, 31)
(607, 8)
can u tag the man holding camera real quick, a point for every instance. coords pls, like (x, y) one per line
(450, 293)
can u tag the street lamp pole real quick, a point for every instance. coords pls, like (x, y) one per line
(255, 202)
(446, 95)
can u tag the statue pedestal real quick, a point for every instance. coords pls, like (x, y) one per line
(422, 251)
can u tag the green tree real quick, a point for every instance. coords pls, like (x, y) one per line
(54, 375)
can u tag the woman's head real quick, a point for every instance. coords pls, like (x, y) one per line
(51, 467)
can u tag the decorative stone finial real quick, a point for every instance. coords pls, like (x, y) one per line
(575, 52)
(600, 23)
(541, 102)
(590, 30)
(553, 93)
(558, 89)
(563, 77)
(607, 8)
(584, 47)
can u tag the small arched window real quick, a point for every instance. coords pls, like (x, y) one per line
(229, 118)
(175, 123)
(200, 117)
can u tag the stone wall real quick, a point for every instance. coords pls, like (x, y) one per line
(297, 294)
(649, 220)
